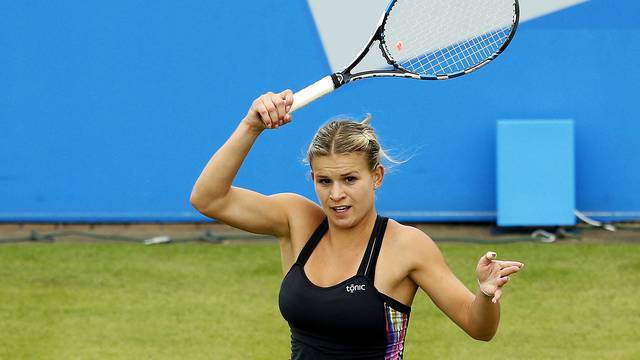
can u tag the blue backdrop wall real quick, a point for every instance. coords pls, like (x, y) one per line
(109, 110)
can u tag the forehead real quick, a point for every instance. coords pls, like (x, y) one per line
(339, 164)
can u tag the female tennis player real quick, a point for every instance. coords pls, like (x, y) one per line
(351, 275)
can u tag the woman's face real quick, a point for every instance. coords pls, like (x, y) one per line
(345, 186)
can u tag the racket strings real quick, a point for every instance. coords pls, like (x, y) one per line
(458, 57)
(440, 37)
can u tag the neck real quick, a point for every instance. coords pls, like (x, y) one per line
(353, 236)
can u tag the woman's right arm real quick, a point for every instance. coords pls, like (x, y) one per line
(214, 196)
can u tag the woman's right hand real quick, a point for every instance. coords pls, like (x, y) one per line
(270, 111)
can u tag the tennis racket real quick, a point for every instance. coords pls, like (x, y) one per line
(428, 40)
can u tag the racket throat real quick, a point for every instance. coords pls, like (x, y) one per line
(338, 79)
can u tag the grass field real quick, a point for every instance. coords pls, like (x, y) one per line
(193, 301)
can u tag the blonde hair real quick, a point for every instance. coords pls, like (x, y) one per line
(346, 136)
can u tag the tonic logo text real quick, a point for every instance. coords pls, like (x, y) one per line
(353, 288)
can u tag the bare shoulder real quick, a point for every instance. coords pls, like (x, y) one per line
(292, 199)
(298, 205)
(303, 214)
(411, 244)
(407, 236)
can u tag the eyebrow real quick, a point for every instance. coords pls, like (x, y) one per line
(341, 175)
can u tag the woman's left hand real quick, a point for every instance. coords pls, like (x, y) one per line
(493, 274)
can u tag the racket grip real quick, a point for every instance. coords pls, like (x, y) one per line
(312, 92)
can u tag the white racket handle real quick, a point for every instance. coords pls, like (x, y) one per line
(312, 92)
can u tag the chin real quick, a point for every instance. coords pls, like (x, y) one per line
(343, 221)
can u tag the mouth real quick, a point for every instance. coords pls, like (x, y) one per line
(339, 210)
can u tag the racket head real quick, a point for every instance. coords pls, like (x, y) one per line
(444, 39)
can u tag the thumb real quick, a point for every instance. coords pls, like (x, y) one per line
(287, 96)
(488, 257)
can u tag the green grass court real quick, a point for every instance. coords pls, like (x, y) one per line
(193, 301)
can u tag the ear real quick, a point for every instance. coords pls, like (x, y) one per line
(378, 176)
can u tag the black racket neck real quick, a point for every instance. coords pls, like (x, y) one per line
(346, 75)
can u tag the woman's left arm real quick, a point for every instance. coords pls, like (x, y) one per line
(477, 314)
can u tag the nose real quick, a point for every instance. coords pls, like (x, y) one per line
(336, 193)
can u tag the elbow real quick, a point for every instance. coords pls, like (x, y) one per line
(206, 203)
(485, 336)
(197, 201)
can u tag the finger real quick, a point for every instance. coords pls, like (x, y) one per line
(502, 281)
(504, 264)
(496, 296)
(272, 105)
(508, 271)
(272, 117)
(263, 114)
(287, 118)
(287, 96)
(279, 103)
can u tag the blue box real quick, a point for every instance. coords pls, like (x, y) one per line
(535, 174)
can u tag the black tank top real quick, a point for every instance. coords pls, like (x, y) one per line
(350, 320)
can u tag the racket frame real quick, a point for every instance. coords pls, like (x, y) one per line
(337, 79)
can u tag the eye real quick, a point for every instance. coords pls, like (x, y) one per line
(324, 181)
(350, 179)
